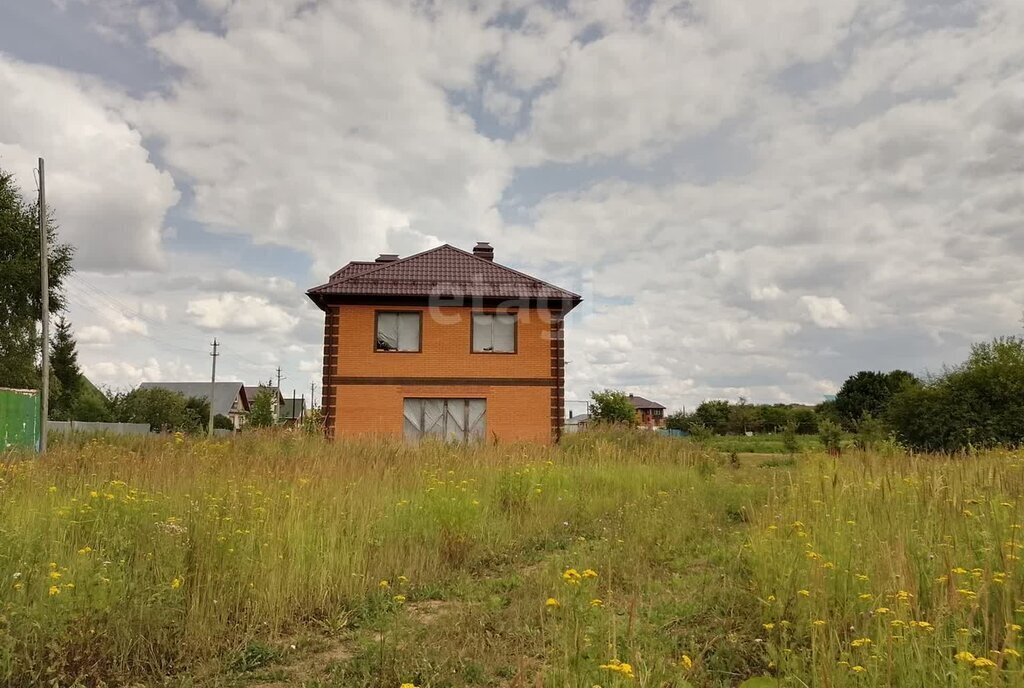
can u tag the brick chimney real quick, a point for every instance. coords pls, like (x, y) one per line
(387, 258)
(483, 250)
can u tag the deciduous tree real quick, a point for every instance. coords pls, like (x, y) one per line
(611, 406)
(20, 302)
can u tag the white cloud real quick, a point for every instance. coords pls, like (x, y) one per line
(108, 198)
(754, 198)
(828, 311)
(240, 313)
(119, 375)
(93, 335)
(343, 132)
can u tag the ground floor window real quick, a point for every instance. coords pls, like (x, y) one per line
(453, 420)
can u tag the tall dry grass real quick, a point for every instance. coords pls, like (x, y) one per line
(134, 558)
(895, 571)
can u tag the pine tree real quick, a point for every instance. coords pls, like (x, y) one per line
(64, 367)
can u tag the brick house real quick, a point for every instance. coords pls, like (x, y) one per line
(444, 343)
(652, 414)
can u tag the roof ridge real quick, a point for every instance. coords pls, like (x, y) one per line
(521, 274)
(485, 261)
(385, 265)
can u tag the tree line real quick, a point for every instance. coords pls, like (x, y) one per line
(976, 404)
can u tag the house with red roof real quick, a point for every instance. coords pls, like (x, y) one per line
(443, 344)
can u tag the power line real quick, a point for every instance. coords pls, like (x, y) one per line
(102, 298)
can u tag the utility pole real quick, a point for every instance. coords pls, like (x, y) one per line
(44, 265)
(213, 382)
(277, 409)
(312, 392)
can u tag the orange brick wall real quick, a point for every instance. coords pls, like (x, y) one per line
(513, 413)
(445, 344)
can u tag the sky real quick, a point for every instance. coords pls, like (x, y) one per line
(755, 199)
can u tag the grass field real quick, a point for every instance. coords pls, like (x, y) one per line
(761, 443)
(612, 560)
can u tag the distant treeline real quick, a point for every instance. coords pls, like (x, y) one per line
(722, 417)
(977, 404)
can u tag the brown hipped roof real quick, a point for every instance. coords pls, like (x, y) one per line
(641, 403)
(442, 272)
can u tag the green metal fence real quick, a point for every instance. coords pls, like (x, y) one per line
(19, 418)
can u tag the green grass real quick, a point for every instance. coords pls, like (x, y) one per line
(279, 559)
(760, 444)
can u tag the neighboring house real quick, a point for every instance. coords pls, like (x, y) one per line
(443, 343)
(277, 399)
(575, 423)
(293, 411)
(229, 398)
(652, 414)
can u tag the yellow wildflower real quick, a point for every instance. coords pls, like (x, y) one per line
(596, 602)
(861, 642)
(882, 610)
(686, 662)
(408, 685)
(85, 550)
(571, 576)
(551, 602)
(804, 593)
(857, 669)
(589, 573)
(768, 626)
(818, 623)
(619, 667)
(965, 657)
(54, 575)
(384, 585)
(1011, 653)
(983, 663)
(400, 599)
(175, 583)
(54, 590)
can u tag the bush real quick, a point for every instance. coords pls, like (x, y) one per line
(871, 433)
(789, 440)
(977, 404)
(831, 436)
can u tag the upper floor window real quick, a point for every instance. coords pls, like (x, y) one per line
(398, 331)
(494, 333)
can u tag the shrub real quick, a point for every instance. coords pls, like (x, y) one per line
(831, 436)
